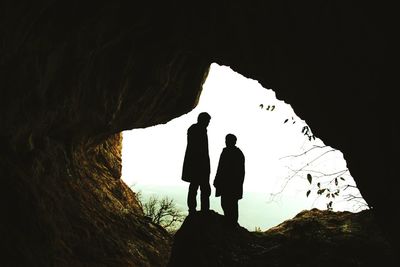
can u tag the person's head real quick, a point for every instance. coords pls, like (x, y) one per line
(230, 140)
(204, 119)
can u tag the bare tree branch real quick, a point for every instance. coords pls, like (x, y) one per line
(329, 184)
(304, 153)
(163, 211)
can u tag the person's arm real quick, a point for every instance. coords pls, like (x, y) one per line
(242, 169)
(217, 179)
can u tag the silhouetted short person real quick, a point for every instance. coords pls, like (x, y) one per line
(196, 165)
(229, 179)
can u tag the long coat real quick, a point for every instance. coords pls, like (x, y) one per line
(230, 173)
(196, 165)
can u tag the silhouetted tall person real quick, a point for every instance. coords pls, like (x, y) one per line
(229, 178)
(196, 165)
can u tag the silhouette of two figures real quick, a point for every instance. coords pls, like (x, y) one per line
(196, 170)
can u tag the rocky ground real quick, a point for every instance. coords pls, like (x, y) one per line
(312, 238)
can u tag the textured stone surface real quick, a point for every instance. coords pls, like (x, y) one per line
(72, 73)
(311, 238)
(69, 208)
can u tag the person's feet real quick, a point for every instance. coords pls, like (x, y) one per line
(206, 211)
(192, 212)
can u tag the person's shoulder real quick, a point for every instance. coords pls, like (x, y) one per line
(238, 150)
(192, 127)
(230, 150)
(226, 151)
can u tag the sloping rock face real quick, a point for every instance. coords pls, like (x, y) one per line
(312, 238)
(74, 73)
(69, 208)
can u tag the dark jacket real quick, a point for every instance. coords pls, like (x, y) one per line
(196, 165)
(230, 173)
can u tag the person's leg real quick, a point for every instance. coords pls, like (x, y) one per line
(235, 210)
(205, 196)
(230, 210)
(225, 206)
(191, 198)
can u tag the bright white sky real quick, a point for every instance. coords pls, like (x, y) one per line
(153, 157)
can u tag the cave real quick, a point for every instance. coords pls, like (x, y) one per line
(278, 155)
(73, 75)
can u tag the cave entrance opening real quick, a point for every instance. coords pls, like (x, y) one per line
(287, 168)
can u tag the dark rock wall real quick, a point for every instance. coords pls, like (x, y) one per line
(66, 206)
(72, 73)
(333, 62)
(93, 68)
